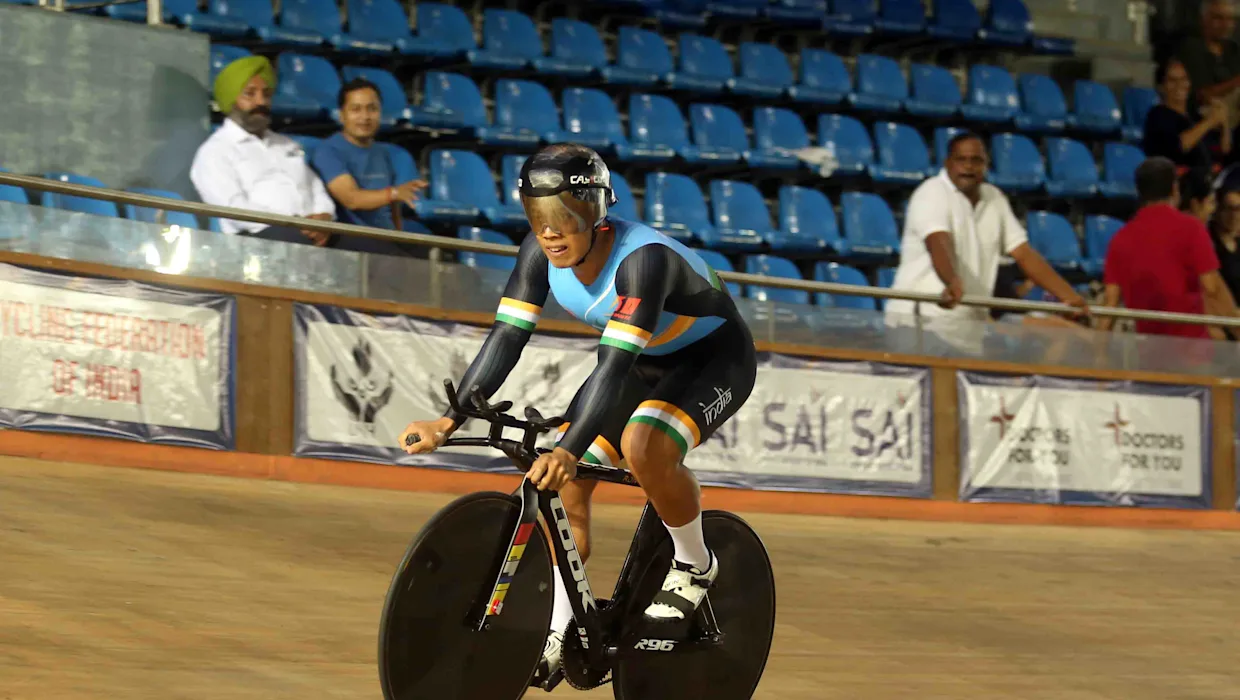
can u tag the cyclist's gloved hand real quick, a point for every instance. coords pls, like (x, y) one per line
(553, 470)
(426, 435)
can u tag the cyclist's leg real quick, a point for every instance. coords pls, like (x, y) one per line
(685, 408)
(576, 498)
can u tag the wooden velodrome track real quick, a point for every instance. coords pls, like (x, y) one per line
(135, 584)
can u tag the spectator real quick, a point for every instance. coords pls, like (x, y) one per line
(1225, 232)
(360, 175)
(1162, 259)
(956, 230)
(1197, 196)
(246, 165)
(1212, 59)
(1170, 131)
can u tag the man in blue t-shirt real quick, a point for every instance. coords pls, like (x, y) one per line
(358, 172)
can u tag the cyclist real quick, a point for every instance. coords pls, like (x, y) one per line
(675, 361)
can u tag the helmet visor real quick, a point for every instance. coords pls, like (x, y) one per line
(562, 213)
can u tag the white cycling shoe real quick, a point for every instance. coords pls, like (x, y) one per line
(683, 590)
(550, 669)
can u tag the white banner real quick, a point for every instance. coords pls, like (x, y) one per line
(96, 354)
(1064, 440)
(847, 427)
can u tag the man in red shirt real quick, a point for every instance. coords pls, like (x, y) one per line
(1163, 259)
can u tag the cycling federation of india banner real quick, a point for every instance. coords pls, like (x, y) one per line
(115, 358)
(1048, 440)
(820, 426)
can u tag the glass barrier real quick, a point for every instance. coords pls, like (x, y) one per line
(449, 284)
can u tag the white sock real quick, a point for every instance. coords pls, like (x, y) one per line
(562, 609)
(690, 543)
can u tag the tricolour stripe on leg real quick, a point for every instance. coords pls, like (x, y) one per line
(671, 420)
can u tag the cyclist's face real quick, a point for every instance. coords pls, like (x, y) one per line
(562, 230)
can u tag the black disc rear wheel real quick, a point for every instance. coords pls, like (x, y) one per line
(426, 649)
(743, 601)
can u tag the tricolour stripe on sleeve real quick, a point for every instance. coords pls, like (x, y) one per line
(521, 314)
(625, 337)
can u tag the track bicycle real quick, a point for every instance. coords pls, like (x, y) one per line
(469, 608)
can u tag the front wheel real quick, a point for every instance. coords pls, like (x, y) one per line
(426, 647)
(743, 601)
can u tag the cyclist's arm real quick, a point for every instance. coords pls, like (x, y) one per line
(518, 313)
(643, 282)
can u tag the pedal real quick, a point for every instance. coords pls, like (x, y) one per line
(546, 681)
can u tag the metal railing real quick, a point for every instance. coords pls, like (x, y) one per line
(438, 243)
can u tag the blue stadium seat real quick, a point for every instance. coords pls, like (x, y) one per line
(509, 214)
(577, 50)
(1073, 172)
(842, 274)
(642, 59)
(954, 20)
(800, 12)
(591, 119)
(992, 95)
(719, 263)
(807, 223)
(886, 277)
(741, 217)
(384, 22)
(675, 206)
(869, 225)
(257, 15)
(450, 27)
(676, 14)
(1007, 23)
(1099, 230)
(942, 136)
(881, 86)
(509, 40)
(1044, 108)
(151, 215)
(935, 92)
(657, 131)
(736, 9)
(221, 55)
(449, 100)
(705, 65)
(404, 168)
(186, 14)
(1094, 107)
(393, 103)
(461, 187)
(1119, 167)
(84, 205)
(525, 115)
(824, 78)
(626, 202)
(1137, 104)
(9, 193)
(718, 133)
(902, 154)
(1018, 165)
(774, 266)
(764, 71)
(1053, 237)
(850, 18)
(322, 17)
(308, 86)
(777, 132)
(901, 17)
(853, 148)
(487, 260)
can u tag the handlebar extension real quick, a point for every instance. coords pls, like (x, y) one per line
(496, 414)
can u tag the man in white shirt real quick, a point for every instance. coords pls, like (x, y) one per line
(956, 231)
(246, 165)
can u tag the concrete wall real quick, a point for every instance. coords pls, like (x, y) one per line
(123, 102)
